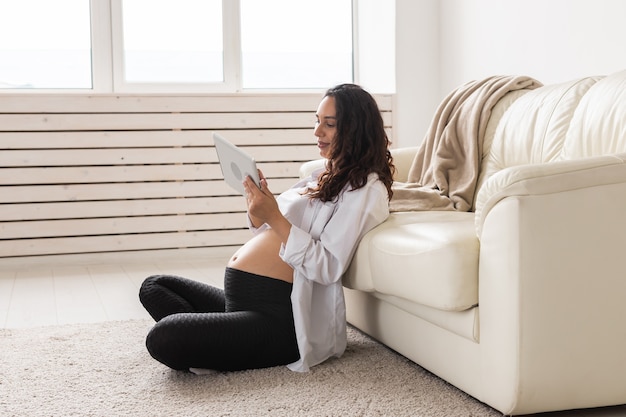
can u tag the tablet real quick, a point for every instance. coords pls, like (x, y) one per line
(235, 164)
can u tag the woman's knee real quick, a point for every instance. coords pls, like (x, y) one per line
(162, 343)
(147, 287)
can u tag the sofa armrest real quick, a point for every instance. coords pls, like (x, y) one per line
(547, 178)
(310, 166)
(402, 159)
(552, 284)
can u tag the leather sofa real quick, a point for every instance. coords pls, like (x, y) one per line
(521, 301)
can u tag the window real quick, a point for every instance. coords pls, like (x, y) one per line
(279, 44)
(296, 44)
(179, 41)
(45, 44)
(188, 45)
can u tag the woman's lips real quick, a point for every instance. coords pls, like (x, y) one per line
(322, 145)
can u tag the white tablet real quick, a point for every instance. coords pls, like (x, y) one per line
(235, 163)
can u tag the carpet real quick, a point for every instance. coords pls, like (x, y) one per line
(103, 369)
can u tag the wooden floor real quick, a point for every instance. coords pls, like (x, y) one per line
(42, 294)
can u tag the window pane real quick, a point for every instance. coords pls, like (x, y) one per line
(296, 43)
(176, 41)
(45, 44)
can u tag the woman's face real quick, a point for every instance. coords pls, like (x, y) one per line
(325, 125)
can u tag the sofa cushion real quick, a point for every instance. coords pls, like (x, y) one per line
(429, 258)
(534, 127)
(497, 113)
(598, 125)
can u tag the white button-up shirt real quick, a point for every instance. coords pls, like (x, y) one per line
(322, 241)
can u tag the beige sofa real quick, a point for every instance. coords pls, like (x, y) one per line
(519, 303)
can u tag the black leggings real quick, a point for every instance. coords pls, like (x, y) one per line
(247, 325)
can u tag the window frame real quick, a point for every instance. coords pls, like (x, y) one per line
(107, 57)
(232, 60)
(232, 57)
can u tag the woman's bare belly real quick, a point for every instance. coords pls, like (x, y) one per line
(259, 256)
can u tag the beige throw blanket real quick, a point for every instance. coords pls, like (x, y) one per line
(444, 173)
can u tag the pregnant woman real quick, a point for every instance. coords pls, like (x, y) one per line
(282, 302)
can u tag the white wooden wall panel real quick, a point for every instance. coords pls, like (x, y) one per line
(126, 156)
(105, 173)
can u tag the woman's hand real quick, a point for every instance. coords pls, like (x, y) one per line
(261, 203)
(263, 207)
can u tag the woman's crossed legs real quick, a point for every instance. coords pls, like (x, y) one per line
(247, 325)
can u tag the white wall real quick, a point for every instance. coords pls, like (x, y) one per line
(375, 27)
(417, 69)
(550, 40)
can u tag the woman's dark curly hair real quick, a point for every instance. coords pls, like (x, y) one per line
(360, 147)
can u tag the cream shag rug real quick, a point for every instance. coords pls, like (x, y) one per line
(104, 369)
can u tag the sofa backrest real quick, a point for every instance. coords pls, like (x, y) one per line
(576, 119)
(598, 126)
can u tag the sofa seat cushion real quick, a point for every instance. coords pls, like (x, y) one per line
(463, 323)
(430, 258)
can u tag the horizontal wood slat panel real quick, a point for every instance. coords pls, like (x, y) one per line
(106, 173)
(126, 156)
(123, 191)
(118, 243)
(153, 139)
(156, 138)
(157, 121)
(122, 225)
(153, 121)
(117, 208)
(99, 174)
(134, 173)
(106, 103)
